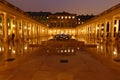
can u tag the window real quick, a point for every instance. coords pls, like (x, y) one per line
(69, 17)
(78, 19)
(58, 17)
(62, 17)
(73, 17)
(8, 23)
(65, 17)
(102, 26)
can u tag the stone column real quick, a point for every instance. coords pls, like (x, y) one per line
(23, 24)
(96, 28)
(89, 31)
(102, 30)
(32, 30)
(105, 31)
(112, 29)
(16, 26)
(27, 30)
(39, 31)
(5, 28)
(99, 31)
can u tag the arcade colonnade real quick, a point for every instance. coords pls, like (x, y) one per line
(104, 26)
(15, 21)
(70, 31)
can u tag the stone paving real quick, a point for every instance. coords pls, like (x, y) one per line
(39, 66)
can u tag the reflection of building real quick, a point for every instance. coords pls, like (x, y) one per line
(82, 18)
(62, 20)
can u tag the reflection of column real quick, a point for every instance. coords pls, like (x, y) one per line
(6, 49)
(5, 27)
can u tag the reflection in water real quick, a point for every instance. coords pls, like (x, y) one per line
(61, 47)
(17, 50)
(105, 49)
(14, 51)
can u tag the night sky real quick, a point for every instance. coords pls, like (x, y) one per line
(71, 6)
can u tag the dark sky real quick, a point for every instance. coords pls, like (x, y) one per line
(71, 6)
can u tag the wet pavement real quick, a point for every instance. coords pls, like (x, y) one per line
(43, 59)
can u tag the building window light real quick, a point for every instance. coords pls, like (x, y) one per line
(65, 17)
(47, 17)
(98, 28)
(78, 19)
(58, 17)
(69, 17)
(102, 27)
(115, 25)
(13, 25)
(62, 17)
(73, 17)
(8, 24)
(25, 27)
(82, 22)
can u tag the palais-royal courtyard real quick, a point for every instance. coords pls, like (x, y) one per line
(90, 51)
